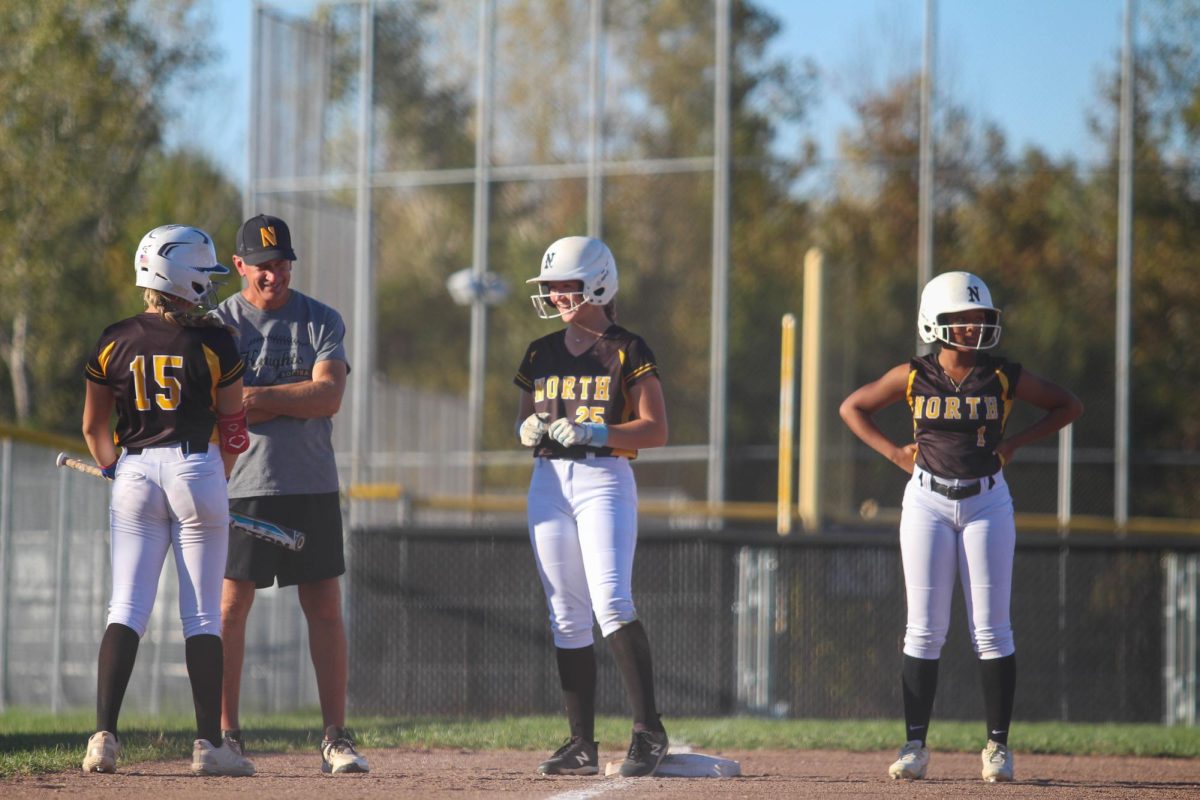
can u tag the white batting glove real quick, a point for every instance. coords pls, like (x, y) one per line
(568, 434)
(530, 431)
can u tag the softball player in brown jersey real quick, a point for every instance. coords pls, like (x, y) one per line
(957, 515)
(172, 376)
(590, 399)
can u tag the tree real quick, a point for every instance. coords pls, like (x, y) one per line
(84, 85)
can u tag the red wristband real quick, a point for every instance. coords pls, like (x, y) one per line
(235, 438)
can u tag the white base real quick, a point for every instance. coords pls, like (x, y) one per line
(688, 765)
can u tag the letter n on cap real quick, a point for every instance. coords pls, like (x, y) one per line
(268, 236)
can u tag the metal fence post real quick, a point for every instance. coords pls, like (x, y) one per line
(60, 588)
(6, 452)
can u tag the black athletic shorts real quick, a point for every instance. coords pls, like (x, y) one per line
(317, 516)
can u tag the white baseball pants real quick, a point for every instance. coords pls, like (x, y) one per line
(583, 527)
(164, 499)
(973, 539)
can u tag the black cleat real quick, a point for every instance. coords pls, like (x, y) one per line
(646, 752)
(575, 757)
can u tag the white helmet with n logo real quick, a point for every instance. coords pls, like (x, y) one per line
(180, 261)
(952, 292)
(576, 258)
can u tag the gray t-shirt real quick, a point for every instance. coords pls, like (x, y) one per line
(287, 455)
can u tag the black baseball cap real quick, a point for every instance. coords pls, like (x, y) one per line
(264, 238)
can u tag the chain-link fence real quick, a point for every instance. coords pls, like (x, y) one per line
(454, 622)
(55, 581)
(408, 141)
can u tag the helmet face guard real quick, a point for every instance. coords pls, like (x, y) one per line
(952, 293)
(987, 334)
(576, 258)
(545, 307)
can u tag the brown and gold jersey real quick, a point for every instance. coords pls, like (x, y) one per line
(591, 387)
(164, 378)
(957, 427)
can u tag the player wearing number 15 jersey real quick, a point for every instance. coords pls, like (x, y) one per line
(172, 375)
(590, 399)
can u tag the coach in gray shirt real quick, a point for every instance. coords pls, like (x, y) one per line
(295, 376)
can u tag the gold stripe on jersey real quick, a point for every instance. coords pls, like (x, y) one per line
(627, 410)
(105, 355)
(640, 371)
(1008, 400)
(214, 371)
(908, 395)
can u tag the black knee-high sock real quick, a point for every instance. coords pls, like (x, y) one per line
(118, 651)
(631, 650)
(918, 677)
(999, 677)
(577, 675)
(205, 661)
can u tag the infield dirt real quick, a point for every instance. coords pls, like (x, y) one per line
(767, 774)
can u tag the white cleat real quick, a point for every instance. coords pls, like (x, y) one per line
(997, 763)
(911, 761)
(223, 760)
(102, 751)
(338, 756)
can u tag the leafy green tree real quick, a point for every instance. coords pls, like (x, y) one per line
(85, 85)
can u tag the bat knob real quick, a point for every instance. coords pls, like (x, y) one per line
(62, 459)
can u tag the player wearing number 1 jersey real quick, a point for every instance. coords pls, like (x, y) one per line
(590, 399)
(172, 375)
(957, 516)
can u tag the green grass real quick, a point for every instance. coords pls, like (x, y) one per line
(36, 742)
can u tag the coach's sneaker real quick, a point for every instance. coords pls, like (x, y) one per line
(338, 755)
(647, 749)
(102, 751)
(576, 757)
(223, 760)
(911, 761)
(997, 763)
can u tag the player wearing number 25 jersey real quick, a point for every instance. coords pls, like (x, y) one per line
(172, 375)
(957, 516)
(590, 398)
(592, 387)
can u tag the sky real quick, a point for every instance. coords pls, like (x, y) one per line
(1031, 66)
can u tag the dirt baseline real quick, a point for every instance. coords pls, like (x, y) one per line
(767, 774)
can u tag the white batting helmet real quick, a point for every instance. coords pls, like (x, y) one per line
(576, 258)
(180, 261)
(952, 292)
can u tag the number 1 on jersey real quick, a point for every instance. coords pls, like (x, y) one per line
(168, 401)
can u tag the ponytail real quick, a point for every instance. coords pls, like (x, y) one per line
(180, 312)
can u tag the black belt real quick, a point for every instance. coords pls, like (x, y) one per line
(584, 457)
(960, 492)
(187, 447)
